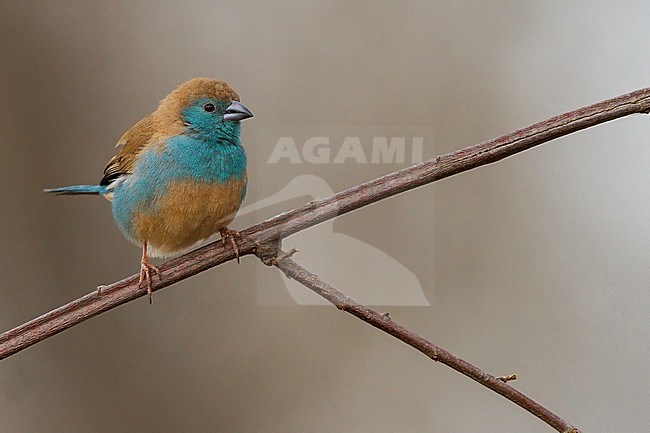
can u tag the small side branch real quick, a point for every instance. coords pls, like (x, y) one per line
(507, 378)
(293, 270)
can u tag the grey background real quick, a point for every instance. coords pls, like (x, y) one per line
(540, 260)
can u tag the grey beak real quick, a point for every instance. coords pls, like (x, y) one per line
(237, 111)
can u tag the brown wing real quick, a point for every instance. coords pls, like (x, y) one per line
(131, 144)
(165, 122)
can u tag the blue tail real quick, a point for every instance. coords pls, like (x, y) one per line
(78, 189)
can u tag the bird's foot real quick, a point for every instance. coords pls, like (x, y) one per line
(230, 235)
(146, 268)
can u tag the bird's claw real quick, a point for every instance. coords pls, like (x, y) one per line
(145, 276)
(230, 235)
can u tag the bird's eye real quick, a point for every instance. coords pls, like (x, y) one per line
(209, 107)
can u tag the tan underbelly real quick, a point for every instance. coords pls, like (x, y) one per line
(188, 213)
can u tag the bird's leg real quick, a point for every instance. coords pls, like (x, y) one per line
(145, 271)
(230, 235)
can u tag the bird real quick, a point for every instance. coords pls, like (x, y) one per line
(179, 176)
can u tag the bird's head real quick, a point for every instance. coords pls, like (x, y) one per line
(209, 109)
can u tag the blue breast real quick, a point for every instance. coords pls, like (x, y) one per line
(178, 158)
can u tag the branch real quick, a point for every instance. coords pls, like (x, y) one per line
(283, 225)
(382, 321)
(321, 210)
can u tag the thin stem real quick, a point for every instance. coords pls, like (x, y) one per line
(382, 321)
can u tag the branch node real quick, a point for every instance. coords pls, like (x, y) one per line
(268, 251)
(100, 288)
(386, 315)
(285, 256)
(433, 354)
(507, 378)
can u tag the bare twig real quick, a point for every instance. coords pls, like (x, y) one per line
(283, 225)
(343, 302)
(507, 377)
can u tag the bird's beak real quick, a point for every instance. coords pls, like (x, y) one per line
(237, 111)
